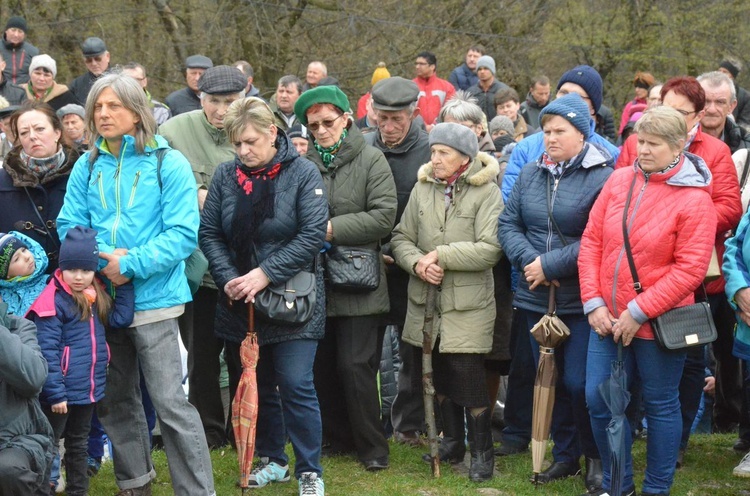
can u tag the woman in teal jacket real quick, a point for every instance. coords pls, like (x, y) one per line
(141, 197)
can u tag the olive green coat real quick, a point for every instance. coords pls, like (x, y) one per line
(465, 237)
(362, 204)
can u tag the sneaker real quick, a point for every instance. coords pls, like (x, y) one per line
(60, 485)
(741, 446)
(743, 469)
(602, 492)
(267, 471)
(311, 485)
(93, 466)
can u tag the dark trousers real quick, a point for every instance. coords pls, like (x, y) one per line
(204, 349)
(728, 398)
(519, 403)
(345, 370)
(407, 412)
(20, 475)
(691, 389)
(75, 424)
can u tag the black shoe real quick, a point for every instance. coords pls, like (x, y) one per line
(480, 445)
(509, 449)
(376, 464)
(558, 470)
(741, 446)
(680, 459)
(594, 474)
(452, 447)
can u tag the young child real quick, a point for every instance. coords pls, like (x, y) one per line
(22, 271)
(70, 316)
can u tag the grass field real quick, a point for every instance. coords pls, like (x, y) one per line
(707, 472)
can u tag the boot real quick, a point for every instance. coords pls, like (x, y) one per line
(480, 445)
(594, 474)
(452, 447)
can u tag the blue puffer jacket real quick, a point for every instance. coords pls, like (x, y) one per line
(531, 148)
(76, 351)
(122, 199)
(285, 244)
(463, 78)
(525, 231)
(20, 293)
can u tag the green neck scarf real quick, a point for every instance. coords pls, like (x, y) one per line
(328, 154)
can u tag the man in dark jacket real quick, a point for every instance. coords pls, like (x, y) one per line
(16, 51)
(536, 100)
(721, 101)
(741, 112)
(465, 76)
(96, 58)
(406, 148)
(605, 123)
(187, 98)
(485, 89)
(14, 94)
(26, 436)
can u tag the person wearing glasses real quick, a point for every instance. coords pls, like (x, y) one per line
(96, 58)
(687, 96)
(362, 205)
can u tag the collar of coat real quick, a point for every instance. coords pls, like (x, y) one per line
(483, 170)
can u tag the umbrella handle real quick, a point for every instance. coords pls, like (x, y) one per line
(250, 318)
(551, 306)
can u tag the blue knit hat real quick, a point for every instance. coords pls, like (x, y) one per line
(9, 245)
(587, 78)
(79, 250)
(573, 109)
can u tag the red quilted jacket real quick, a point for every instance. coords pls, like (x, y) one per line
(725, 188)
(672, 225)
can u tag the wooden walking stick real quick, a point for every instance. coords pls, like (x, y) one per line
(427, 386)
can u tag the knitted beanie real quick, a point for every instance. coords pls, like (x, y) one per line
(79, 249)
(380, 73)
(44, 61)
(502, 123)
(16, 22)
(486, 61)
(587, 78)
(573, 109)
(9, 245)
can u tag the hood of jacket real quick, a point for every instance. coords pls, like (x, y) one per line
(483, 170)
(57, 90)
(692, 173)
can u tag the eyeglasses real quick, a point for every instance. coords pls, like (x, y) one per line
(685, 113)
(98, 58)
(328, 124)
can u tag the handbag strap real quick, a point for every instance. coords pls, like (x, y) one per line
(41, 220)
(626, 241)
(257, 259)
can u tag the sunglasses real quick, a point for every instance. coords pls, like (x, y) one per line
(98, 58)
(328, 124)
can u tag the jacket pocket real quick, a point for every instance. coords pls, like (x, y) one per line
(99, 186)
(471, 291)
(65, 361)
(417, 291)
(133, 189)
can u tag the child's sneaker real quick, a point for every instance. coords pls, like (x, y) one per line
(311, 485)
(743, 469)
(266, 472)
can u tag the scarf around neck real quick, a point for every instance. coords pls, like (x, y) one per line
(40, 167)
(328, 154)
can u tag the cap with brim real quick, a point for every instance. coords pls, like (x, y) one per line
(297, 131)
(321, 94)
(222, 79)
(394, 93)
(71, 108)
(93, 46)
(198, 62)
(5, 112)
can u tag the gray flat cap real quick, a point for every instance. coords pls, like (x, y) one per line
(394, 93)
(222, 79)
(71, 108)
(93, 46)
(198, 62)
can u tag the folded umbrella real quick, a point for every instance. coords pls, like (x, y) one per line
(615, 393)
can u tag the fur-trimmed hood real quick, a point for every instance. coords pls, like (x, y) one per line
(483, 170)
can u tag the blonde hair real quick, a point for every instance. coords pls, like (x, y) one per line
(663, 122)
(247, 111)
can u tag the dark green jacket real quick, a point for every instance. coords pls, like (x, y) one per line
(362, 204)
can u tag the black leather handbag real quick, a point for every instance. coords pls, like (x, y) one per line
(681, 327)
(290, 303)
(353, 269)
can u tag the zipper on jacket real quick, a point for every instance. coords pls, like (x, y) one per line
(92, 330)
(116, 222)
(551, 205)
(98, 180)
(132, 190)
(65, 361)
(616, 312)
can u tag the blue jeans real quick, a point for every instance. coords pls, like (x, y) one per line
(155, 348)
(520, 396)
(659, 373)
(571, 427)
(288, 404)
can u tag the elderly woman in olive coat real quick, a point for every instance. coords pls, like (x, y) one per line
(448, 237)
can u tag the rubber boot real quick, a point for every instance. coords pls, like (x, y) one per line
(452, 447)
(480, 445)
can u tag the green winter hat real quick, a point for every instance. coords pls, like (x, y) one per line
(320, 94)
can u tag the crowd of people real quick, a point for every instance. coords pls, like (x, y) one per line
(130, 228)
